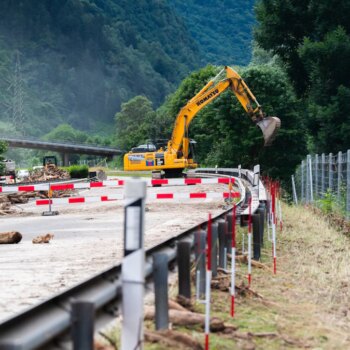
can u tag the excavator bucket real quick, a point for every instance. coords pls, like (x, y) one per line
(269, 127)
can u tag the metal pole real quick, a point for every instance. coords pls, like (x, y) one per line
(214, 249)
(221, 231)
(184, 268)
(339, 161)
(307, 179)
(160, 273)
(323, 164)
(348, 184)
(228, 240)
(82, 317)
(310, 180)
(302, 182)
(316, 176)
(133, 273)
(262, 211)
(200, 244)
(294, 191)
(256, 237)
(330, 172)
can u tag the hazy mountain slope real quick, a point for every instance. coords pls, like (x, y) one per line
(81, 58)
(221, 28)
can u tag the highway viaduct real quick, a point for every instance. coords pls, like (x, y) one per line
(63, 147)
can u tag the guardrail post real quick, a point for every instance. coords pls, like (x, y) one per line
(82, 317)
(184, 268)
(160, 271)
(256, 237)
(228, 236)
(221, 233)
(200, 244)
(214, 249)
(133, 273)
(261, 211)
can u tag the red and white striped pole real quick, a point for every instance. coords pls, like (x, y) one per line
(207, 287)
(233, 261)
(250, 243)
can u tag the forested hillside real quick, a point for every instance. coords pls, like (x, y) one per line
(78, 60)
(221, 28)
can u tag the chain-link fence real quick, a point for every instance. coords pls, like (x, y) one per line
(324, 180)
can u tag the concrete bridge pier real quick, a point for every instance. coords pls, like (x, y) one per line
(65, 159)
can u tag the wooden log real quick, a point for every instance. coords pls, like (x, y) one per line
(186, 318)
(10, 237)
(173, 338)
(43, 238)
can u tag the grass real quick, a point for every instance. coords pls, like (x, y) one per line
(306, 305)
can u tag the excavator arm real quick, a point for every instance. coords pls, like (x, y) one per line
(269, 125)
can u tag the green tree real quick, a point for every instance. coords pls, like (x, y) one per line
(65, 132)
(313, 40)
(135, 122)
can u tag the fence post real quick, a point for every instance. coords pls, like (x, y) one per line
(184, 268)
(339, 161)
(307, 176)
(310, 179)
(82, 315)
(294, 191)
(348, 184)
(302, 182)
(323, 165)
(133, 272)
(316, 191)
(160, 270)
(330, 172)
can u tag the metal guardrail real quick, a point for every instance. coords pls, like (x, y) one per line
(48, 323)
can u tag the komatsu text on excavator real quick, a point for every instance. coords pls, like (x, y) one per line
(177, 155)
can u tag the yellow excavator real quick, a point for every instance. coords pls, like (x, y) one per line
(177, 154)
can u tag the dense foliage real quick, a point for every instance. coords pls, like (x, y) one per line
(78, 171)
(222, 29)
(313, 40)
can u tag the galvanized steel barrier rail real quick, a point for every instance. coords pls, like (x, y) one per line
(48, 324)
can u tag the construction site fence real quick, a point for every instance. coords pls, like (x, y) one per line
(324, 181)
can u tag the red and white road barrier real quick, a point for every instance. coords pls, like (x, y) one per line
(233, 261)
(207, 286)
(250, 243)
(194, 195)
(113, 183)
